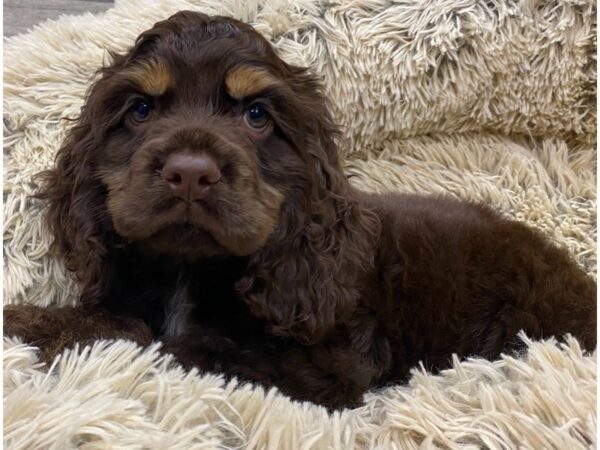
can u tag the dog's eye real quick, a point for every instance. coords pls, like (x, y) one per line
(141, 110)
(256, 116)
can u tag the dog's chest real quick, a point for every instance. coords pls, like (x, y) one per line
(203, 296)
(178, 309)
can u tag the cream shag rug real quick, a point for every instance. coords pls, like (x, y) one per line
(491, 100)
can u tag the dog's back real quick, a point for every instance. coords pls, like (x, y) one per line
(465, 280)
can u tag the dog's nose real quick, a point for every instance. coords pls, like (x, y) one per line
(191, 175)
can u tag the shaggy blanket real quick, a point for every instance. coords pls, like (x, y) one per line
(493, 101)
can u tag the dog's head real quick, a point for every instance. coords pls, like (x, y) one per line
(197, 136)
(200, 141)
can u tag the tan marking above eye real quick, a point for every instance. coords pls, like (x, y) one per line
(153, 77)
(245, 81)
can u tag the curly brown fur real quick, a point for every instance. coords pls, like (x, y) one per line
(53, 328)
(267, 265)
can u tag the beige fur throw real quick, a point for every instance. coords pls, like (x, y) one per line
(492, 100)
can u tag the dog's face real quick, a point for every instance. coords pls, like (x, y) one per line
(201, 134)
(201, 142)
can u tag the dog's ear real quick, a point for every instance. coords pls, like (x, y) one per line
(306, 279)
(76, 211)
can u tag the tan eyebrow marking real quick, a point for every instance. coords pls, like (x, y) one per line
(245, 81)
(153, 77)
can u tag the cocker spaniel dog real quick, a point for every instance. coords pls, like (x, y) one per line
(200, 201)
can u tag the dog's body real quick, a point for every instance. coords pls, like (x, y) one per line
(270, 266)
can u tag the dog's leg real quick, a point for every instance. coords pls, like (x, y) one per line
(53, 329)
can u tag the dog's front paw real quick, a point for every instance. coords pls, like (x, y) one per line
(53, 329)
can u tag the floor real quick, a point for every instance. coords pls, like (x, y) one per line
(20, 15)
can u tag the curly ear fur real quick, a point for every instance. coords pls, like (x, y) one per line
(76, 211)
(307, 278)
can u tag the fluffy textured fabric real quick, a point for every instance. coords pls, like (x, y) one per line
(120, 397)
(492, 101)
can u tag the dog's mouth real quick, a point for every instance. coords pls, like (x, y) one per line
(184, 239)
(172, 218)
(227, 223)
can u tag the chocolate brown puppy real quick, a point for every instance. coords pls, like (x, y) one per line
(200, 201)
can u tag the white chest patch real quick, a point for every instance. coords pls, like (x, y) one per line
(177, 311)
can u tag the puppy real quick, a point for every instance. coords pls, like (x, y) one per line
(200, 201)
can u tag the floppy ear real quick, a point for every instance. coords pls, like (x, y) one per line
(306, 279)
(76, 213)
